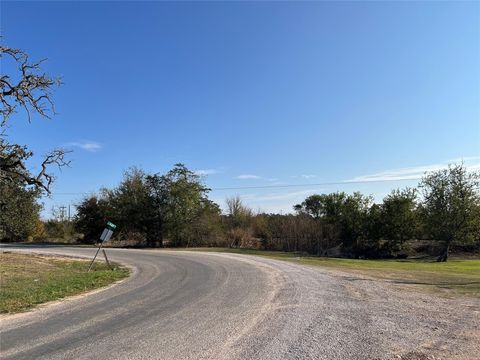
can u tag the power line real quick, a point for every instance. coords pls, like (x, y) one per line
(281, 186)
(314, 184)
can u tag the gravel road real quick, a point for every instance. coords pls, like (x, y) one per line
(193, 305)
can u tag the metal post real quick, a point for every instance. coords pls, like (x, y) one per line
(106, 259)
(106, 235)
(101, 244)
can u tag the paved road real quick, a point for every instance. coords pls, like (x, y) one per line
(190, 305)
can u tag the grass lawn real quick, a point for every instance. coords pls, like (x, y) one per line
(451, 277)
(27, 280)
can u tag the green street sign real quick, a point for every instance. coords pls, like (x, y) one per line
(111, 225)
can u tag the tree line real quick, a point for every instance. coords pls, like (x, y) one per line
(173, 209)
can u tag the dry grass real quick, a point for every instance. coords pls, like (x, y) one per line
(27, 280)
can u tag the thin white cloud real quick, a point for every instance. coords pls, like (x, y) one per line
(282, 201)
(465, 159)
(472, 163)
(248, 177)
(282, 196)
(204, 172)
(277, 202)
(304, 176)
(271, 202)
(90, 146)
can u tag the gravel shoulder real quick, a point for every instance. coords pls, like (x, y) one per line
(191, 305)
(341, 315)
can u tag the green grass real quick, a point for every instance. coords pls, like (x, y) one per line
(28, 280)
(454, 277)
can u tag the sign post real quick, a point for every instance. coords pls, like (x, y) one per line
(106, 235)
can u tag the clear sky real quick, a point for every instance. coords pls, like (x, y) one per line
(254, 93)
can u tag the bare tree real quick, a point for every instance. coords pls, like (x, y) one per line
(236, 208)
(30, 90)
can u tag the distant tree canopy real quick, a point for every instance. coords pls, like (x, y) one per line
(448, 211)
(451, 206)
(91, 217)
(398, 217)
(347, 212)
(173, 209)
(152, 208)
(180, 201)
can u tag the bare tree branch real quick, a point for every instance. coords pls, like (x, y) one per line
(31, 90)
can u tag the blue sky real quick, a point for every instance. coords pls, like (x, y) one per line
(254, 94)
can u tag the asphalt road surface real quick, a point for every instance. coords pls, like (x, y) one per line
(193, 305)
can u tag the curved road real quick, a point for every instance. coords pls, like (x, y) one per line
(194, 305)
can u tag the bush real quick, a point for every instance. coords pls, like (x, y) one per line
(19, 211)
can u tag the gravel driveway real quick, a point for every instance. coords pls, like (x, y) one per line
(193, 305)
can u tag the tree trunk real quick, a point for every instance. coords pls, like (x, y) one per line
(444, 256)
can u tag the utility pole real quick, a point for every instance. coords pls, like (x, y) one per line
(62, 209)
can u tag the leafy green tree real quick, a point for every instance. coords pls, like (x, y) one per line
(399, 217)
(152, 208)
(159, 195)
(180, 200)
(19, 211)
(313, 205)
(373, 226)
(353, 219)
(129, 205)
(451, 206)
(326, 206)
(207, 228)
(91, 217)
(348, 212)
